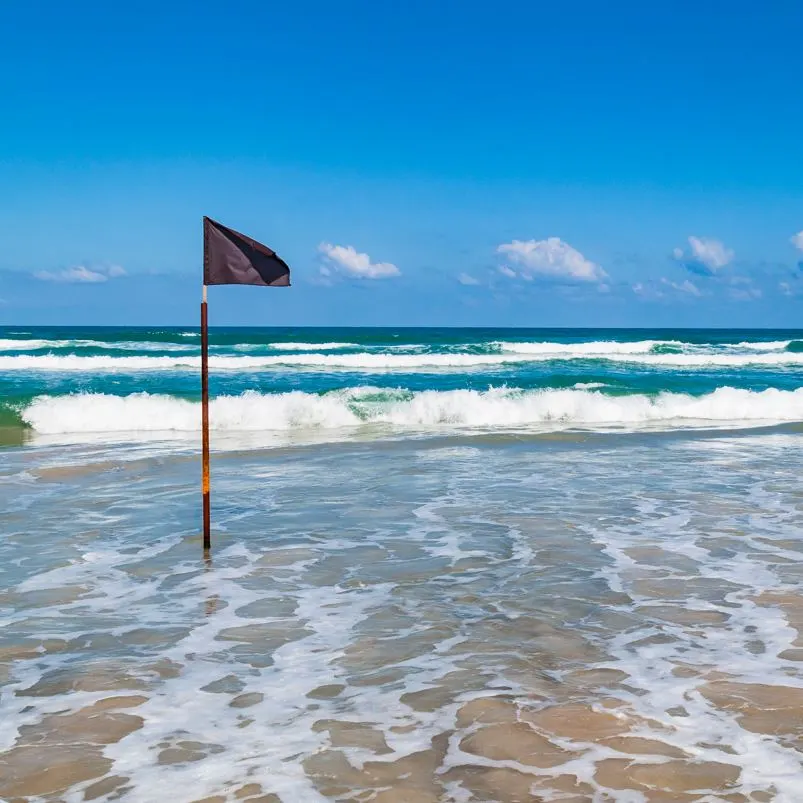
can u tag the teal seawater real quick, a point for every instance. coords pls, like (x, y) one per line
(387, 366)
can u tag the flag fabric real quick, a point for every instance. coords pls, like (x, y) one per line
(233, 258)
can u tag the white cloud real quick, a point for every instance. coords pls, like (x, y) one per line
(785, 288)
(80, 274)
(346, 259)
(77, 275)
(683, 287)
(663, 287)
(464, 278)
(797, 240)
(711, 253)
(551, 257)
(648, 290)
(704, 256)
(743, 289)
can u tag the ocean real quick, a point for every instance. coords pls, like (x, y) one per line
(458, 565)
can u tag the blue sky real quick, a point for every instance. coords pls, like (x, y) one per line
(449, 163)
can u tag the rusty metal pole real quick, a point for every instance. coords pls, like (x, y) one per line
(205, 424)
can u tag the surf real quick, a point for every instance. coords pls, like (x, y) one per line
(495, 408)
(365, 361)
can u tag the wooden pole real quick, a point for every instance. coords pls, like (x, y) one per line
(205, 423)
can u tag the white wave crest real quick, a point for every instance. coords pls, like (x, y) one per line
(304, 346)
(368, 362)
(361, 361)
(157, 345)
(596, 348)
(129, 345)
(137, 345)
(495, 408)
(763, 345)
(29, 345)
(608, 348)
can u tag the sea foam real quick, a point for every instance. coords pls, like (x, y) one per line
(494, 409)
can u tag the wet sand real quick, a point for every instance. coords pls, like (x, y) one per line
(493, 622)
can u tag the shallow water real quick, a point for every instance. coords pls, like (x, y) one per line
(583, 617)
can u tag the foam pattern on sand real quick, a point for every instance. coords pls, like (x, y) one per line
(630, 629)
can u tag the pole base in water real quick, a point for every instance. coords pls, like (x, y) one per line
(207, 523)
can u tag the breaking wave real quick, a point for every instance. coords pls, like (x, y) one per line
(10, 344)
(355, 407)
(594, 349)
(605, 348)
(762, 345)
(108, 345)
(365, 361)
(303, 346)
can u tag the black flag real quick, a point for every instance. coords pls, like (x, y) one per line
(233, 258)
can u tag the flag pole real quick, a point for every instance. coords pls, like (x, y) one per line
(229, 258)
(205, 423)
